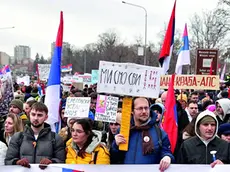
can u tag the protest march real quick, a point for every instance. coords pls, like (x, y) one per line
(122, 116)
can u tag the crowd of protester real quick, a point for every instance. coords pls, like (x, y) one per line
(203, 131)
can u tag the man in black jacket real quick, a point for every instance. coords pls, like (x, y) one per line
(37, 143)
(205, 147)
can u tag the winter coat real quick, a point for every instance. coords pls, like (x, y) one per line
(96, 153)
(23, 145)
(134, 154)
(197, 151)
(3, 149)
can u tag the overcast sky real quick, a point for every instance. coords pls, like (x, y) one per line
(36, 21)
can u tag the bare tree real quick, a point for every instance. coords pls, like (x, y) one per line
(208, 30)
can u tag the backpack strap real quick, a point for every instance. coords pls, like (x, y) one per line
(159, 135)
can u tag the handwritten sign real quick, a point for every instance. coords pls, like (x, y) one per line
(129, 79)
(106, 108)
(197, 82)
(77, 107)
(44, 70)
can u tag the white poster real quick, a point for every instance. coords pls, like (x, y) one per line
(129, 79)
(24, 79)
(44, 71)
(77, 107)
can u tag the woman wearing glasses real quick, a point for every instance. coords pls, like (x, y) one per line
(86, 147)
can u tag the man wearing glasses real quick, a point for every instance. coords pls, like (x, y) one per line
(144, 145)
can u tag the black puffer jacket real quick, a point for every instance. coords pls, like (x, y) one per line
(23, 145)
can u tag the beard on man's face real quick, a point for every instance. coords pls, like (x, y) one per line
(36, 125)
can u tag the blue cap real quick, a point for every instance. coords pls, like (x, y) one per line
(224, 129)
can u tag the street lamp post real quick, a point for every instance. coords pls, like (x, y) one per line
(135, 5)
(3, 28)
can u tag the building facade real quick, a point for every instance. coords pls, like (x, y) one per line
(4, 58)
(21, 52)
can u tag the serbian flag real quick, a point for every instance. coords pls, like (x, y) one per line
(167, 47)
(184, 54)
(53, 90)
(69, 170)
(170, 117)
(5, 69)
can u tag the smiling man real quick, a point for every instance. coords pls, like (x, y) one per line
(197, 150)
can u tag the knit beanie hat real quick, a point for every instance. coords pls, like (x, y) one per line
(207, 119)
(18, 103)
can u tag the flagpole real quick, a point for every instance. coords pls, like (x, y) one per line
(135, 5)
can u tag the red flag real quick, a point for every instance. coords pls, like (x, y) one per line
(170, 116)
(165, 54)
(210, 71)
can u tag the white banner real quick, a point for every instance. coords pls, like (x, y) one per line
(129, 79)
(77, 107)
(115, 168)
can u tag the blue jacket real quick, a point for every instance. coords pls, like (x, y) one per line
(134, 154)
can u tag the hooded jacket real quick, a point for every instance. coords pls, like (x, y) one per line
(196, 150)
(225, 105)
(94, 152)
(134, 154)
(23, 145)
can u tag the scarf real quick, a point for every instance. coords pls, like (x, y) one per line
(147, 141)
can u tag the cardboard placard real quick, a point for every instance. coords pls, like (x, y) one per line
(129, 79)
(125, 122)
(77, 107)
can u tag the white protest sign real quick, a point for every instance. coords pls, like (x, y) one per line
(67, 79)
(106, 108)
(44, 71)
(77, 107)
(66, 88)
(129, 79)
(24, 79)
